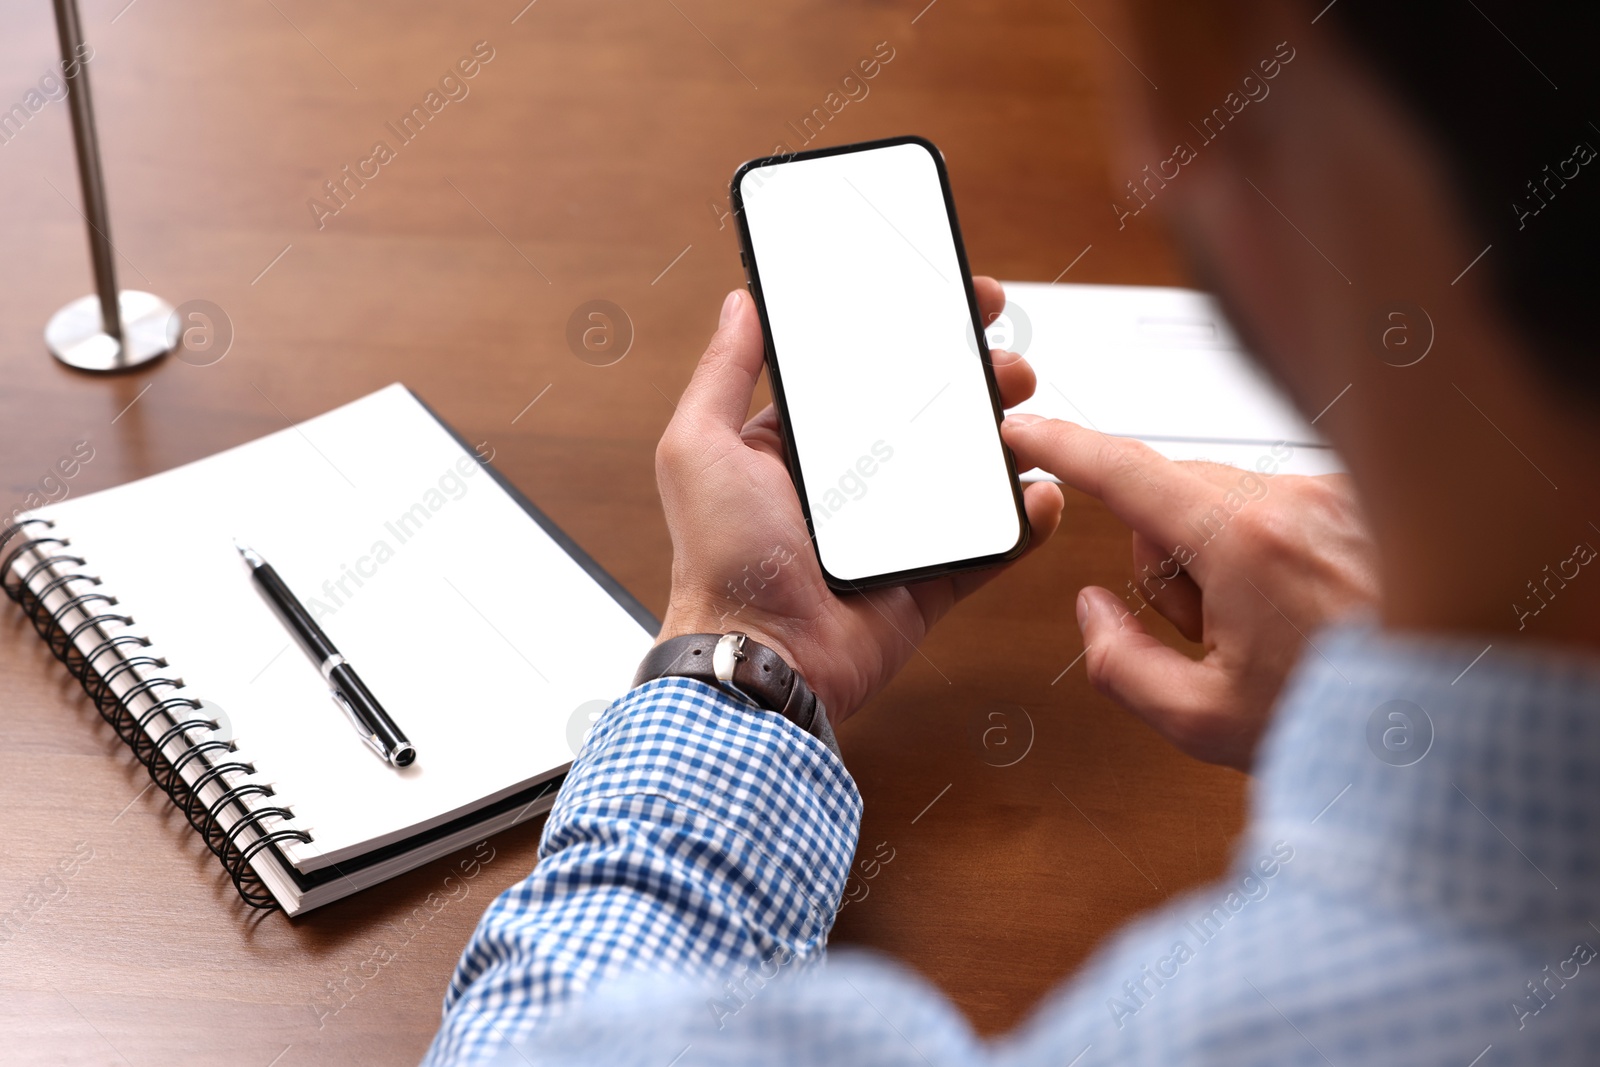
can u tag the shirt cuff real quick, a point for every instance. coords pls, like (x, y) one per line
(774, 798)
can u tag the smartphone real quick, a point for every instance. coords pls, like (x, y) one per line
(879, 367)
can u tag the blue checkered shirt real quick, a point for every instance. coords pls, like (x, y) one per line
(1419, 884)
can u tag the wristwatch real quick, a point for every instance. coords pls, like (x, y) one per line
(744, 669)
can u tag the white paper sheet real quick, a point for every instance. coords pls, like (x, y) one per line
(1158, 364)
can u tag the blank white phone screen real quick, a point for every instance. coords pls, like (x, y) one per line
(887, 400)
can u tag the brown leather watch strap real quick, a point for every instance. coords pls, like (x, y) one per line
(758, 676)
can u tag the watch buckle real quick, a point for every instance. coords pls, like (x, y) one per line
(725, 660)
(726, 656)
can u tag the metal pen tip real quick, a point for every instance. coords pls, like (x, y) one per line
(251, 556)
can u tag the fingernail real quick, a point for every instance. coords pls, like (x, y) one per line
(1083, 612)
(1020, 419)
(730, 305)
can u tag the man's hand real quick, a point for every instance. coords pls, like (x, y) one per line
(741, 557)
(1244, 564)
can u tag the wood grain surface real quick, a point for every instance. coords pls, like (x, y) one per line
(588, 159)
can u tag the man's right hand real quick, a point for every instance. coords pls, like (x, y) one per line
(1245, 564)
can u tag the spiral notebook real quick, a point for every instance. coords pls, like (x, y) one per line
(488, 635)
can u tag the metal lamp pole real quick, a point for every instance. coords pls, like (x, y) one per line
(109, 330)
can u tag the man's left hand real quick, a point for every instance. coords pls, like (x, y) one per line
(741, 556)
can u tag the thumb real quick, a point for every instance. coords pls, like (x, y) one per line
(1164, 687)
(718, 396)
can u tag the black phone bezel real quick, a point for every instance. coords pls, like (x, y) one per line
(747, 255)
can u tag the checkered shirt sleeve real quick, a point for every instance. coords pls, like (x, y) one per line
(694, 837)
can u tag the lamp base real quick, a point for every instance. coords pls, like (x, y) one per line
(76, 336)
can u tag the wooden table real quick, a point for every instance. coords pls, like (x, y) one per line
(589, 160)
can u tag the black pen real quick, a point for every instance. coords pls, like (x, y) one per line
(349, 691)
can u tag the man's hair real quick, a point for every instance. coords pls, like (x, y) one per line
(1509, 93)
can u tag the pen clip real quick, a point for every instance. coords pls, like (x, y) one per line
(366, 732)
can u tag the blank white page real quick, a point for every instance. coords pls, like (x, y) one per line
(1158, 364)
(478, 633)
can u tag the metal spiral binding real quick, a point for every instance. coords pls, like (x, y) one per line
(235, 843)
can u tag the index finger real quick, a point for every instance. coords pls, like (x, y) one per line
(1156, 497)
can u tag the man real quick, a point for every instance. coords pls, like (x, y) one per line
(1419, 883)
